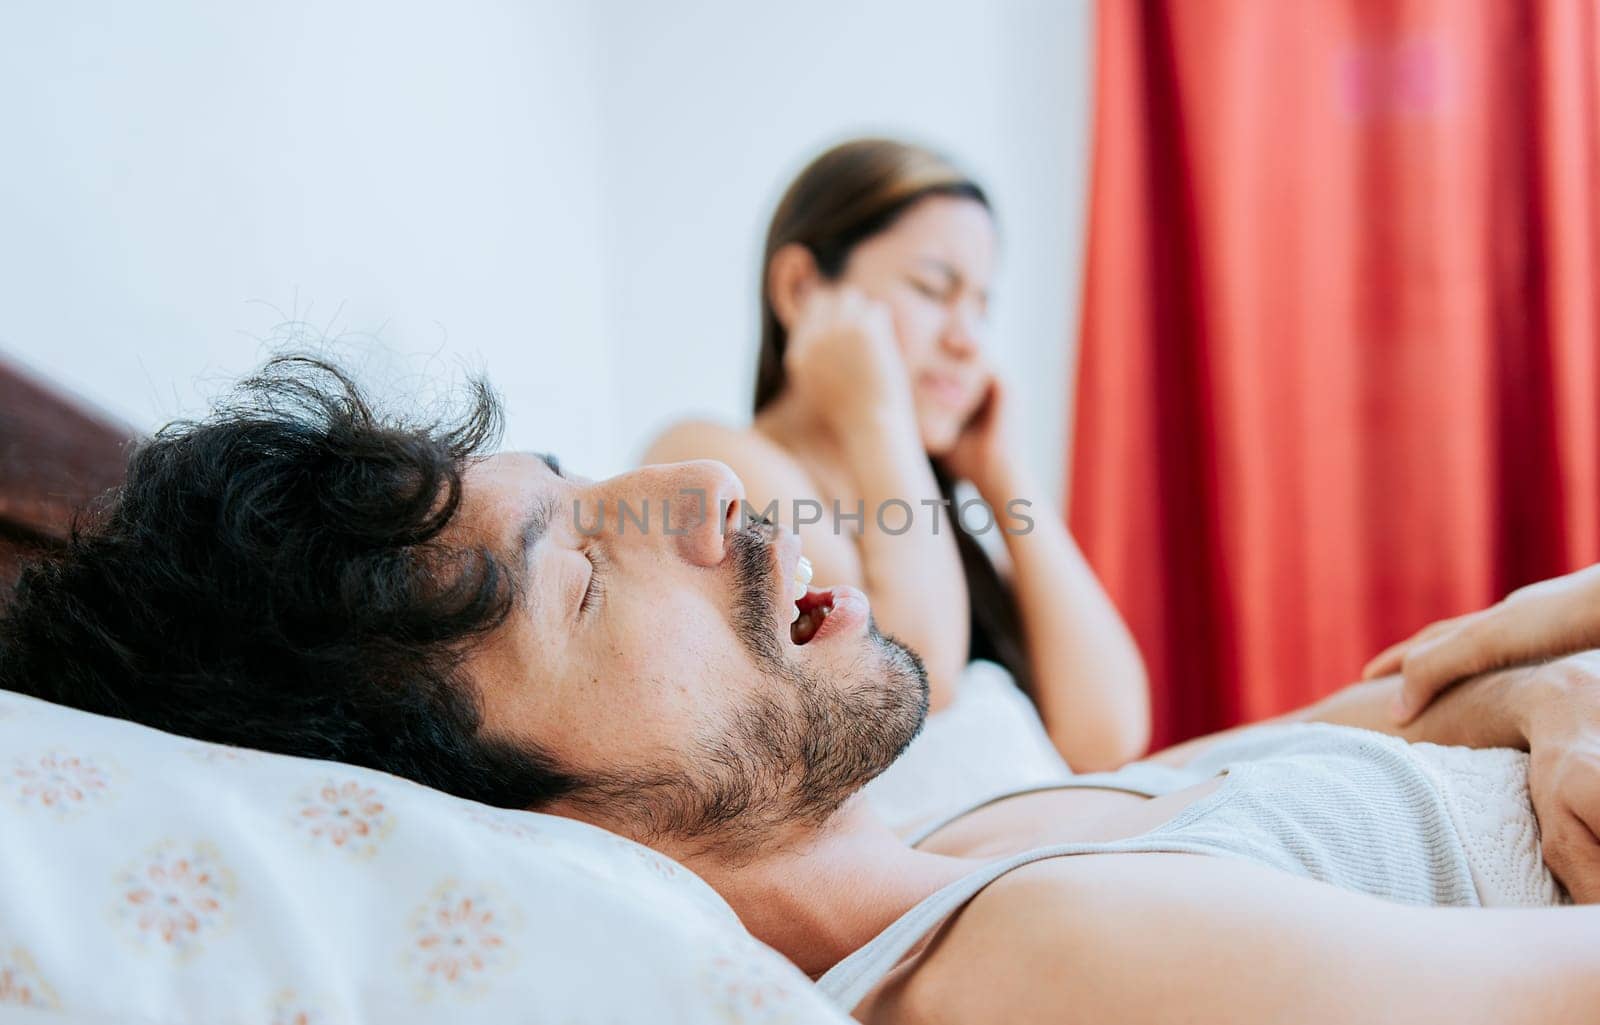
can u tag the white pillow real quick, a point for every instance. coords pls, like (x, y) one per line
(151, 878)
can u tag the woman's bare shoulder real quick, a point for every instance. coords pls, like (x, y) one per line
(709, 439)
(766, 467)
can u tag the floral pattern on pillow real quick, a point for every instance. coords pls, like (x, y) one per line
(221, 754)
(750, 985)
(289, 1008)
(509, 823)
(346, 815)
(654, 863)
(58, 782)
(21, 984)
(293, 891)
(175, 897)
(460, 940)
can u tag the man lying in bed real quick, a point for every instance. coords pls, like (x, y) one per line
(299, 574)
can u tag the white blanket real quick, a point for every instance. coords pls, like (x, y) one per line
(1487, 794)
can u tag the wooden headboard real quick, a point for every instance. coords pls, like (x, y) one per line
(56, 454)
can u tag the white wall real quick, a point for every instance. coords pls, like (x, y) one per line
(712, 108)
(180, 179)
(569, 197)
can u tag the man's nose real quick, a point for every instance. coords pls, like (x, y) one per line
(688, 507)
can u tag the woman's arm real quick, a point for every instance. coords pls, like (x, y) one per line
(913, 577)
(1493, 710)
(846, 374)
(1089, 680)
(1156, 938)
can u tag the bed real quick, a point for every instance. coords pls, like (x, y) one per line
(56, 453)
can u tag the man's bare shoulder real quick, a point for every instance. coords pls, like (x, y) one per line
(1156, 938)
(1035, 939)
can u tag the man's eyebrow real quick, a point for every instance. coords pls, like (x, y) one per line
(534, 527)
(538, 521)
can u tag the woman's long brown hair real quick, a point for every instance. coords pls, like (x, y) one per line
(844, 197)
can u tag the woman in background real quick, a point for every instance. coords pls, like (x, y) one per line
(873, 390)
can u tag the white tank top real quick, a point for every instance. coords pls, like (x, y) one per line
(1356, 809)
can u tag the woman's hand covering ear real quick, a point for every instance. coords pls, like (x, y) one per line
(843, 360)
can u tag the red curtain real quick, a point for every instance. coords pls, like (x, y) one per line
(1339, 368)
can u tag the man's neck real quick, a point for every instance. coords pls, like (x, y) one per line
(817, 897)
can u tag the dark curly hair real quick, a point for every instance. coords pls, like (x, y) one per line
(274, 576)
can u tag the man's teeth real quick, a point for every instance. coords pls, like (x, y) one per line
(802, 577)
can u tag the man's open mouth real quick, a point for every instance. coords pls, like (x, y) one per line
(811, 608)
(821, 612)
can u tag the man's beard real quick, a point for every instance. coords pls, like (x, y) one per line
(794, 753)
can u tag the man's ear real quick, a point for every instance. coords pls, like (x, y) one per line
(791, 277)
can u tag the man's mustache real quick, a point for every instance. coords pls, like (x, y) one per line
(754, 608)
